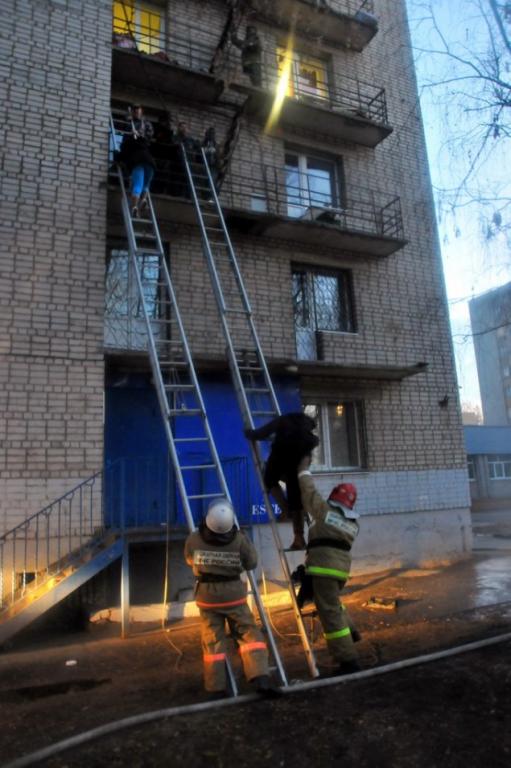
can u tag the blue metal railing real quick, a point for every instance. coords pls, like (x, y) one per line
(131, 492)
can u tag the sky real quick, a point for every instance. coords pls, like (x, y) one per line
(473, 264)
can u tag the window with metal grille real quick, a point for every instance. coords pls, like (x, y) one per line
(322, 300)
(138, 25)
(499, 467)
(341, 433)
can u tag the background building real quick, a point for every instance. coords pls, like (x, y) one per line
(490, 316)
(331, 215)
(489, 466)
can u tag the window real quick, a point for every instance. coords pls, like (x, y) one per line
(322, 301)
(311, 182)
(499, 467)
(142, 21)
(124, 316)
(341, 434)
(308, 76)
(471, 468)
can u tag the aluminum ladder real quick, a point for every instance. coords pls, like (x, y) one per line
(177, 386)
(254, 389)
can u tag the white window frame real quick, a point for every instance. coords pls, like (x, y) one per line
(324, 431)
(497, 466)
(298, 209)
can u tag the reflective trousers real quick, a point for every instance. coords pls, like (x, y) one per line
(334, 618)
(252, 647)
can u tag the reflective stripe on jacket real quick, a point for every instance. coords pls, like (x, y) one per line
(327, 523)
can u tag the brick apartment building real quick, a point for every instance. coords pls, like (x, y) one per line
(331, 215)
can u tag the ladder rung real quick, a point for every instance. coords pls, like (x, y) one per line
(199, 466)
(205, 496)
(178, 387)
(236, 311)
(149, 252)
(257, 390)
(251, 369)
(184, 412)
(191, 439)
(263, 413)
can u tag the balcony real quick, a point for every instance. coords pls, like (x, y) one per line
(345, 23)
(175, 63)
(285, 204)
(318, 104)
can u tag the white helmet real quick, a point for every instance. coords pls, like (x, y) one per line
(220, 517)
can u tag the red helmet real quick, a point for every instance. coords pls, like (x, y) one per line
(345, 497)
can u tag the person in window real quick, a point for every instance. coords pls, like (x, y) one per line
(136, 155)
(293, 438)
(251, 55)
(332, 531)
(219, 552)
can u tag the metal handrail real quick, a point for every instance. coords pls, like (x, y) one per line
(182, 47)
(267, 189)
(39, 547)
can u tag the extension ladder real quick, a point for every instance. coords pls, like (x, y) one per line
(176, 382)
(252, 382)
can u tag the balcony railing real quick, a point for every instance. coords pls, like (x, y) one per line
(270, 190)
(181, 46)
(262, 190)
(314, 85)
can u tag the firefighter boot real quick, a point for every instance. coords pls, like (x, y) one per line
(264, 687)
(348, 667)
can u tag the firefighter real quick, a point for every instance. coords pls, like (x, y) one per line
(218, 553)
(332, 532)
(251, 55)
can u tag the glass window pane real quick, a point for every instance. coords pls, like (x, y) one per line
(326, 300)
(297, 201)
(123, 16)
(343, 438)
(318, 455)
(311, 77)
(300, 300)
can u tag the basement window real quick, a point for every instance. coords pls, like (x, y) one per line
(139, 26)
(341, 434)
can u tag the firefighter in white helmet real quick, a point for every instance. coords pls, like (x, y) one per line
(332, 532)
(218, 553)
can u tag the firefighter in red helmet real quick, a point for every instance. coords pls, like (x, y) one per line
(332, 532)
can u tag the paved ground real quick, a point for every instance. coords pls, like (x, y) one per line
(454, 713)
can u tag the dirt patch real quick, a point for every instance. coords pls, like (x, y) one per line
(449, 713)
(454, 713)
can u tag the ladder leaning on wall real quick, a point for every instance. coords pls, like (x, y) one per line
(254, 389)
(175, 379)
